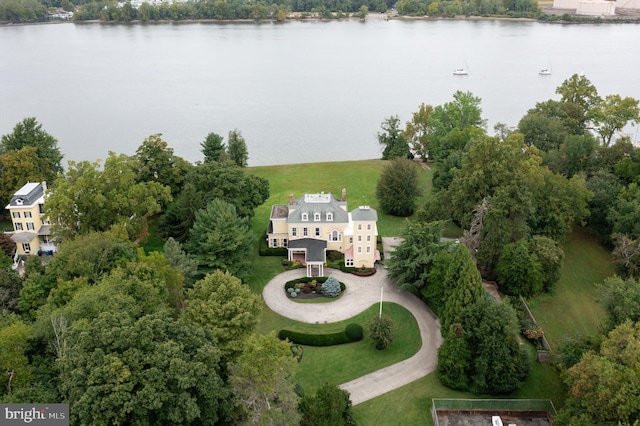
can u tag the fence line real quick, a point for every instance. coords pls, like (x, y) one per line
(545, 343)
(491, 405)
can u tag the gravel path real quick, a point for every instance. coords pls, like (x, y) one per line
(359, 295)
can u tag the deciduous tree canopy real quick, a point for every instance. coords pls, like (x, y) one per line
(87, 198)
(147, 371)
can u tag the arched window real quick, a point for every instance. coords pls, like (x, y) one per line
(305, 217)
(316, 217)
(335, 235)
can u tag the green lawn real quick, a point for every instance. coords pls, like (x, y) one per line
(412, 402)
(342, 363)
(573, 308)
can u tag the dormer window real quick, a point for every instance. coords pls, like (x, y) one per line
(19, 201)
(316, 217)
(305, 217)
(329, 217)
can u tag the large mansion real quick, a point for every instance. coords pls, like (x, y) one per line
(315, 223)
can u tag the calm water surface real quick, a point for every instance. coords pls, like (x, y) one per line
(299, 92)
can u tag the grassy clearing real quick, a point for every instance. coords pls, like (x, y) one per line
(153, 242)
(573, 309)
(412, 402)
(342, 363)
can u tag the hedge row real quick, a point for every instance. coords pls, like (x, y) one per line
(351, 333)
(265, 250)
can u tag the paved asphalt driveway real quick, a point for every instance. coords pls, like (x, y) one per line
(359, 295)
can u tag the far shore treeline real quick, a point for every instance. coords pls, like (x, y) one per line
(34, 11)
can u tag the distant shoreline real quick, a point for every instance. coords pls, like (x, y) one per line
(370, 17)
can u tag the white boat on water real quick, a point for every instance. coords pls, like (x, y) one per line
(461, 71)
(546, 71)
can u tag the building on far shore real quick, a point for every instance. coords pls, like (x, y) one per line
(601, 8)
(310, 226)
(31, 229)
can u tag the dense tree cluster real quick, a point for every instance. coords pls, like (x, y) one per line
(481, 353)
(27, 154)
(22, 10)
(516, 195)
(129, 337)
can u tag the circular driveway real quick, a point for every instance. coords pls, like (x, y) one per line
(360, 294)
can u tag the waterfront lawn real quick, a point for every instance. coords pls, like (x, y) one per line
(342, 363)
(573, 309)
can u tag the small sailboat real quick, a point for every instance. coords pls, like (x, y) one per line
(462, 71)
(545, 71)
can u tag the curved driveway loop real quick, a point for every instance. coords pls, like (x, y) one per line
(359, 295)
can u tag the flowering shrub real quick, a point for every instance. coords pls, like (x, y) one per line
(534, 333)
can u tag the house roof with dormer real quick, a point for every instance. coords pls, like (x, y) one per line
(314, 204)
(30, 194)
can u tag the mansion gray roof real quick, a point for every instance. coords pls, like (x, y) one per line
(364, 213)
(324, 205)
(314, 248)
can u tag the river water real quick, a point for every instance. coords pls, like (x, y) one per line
(299, 92)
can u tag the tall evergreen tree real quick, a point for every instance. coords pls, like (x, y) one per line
(220, 239)
(519, 271)
(30, 133)
(413, 257)
(463, 286)
(237, 149)
(213, 148)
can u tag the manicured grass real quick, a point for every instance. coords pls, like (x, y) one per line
(342, 363)
(412, 402)
(573, 309)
